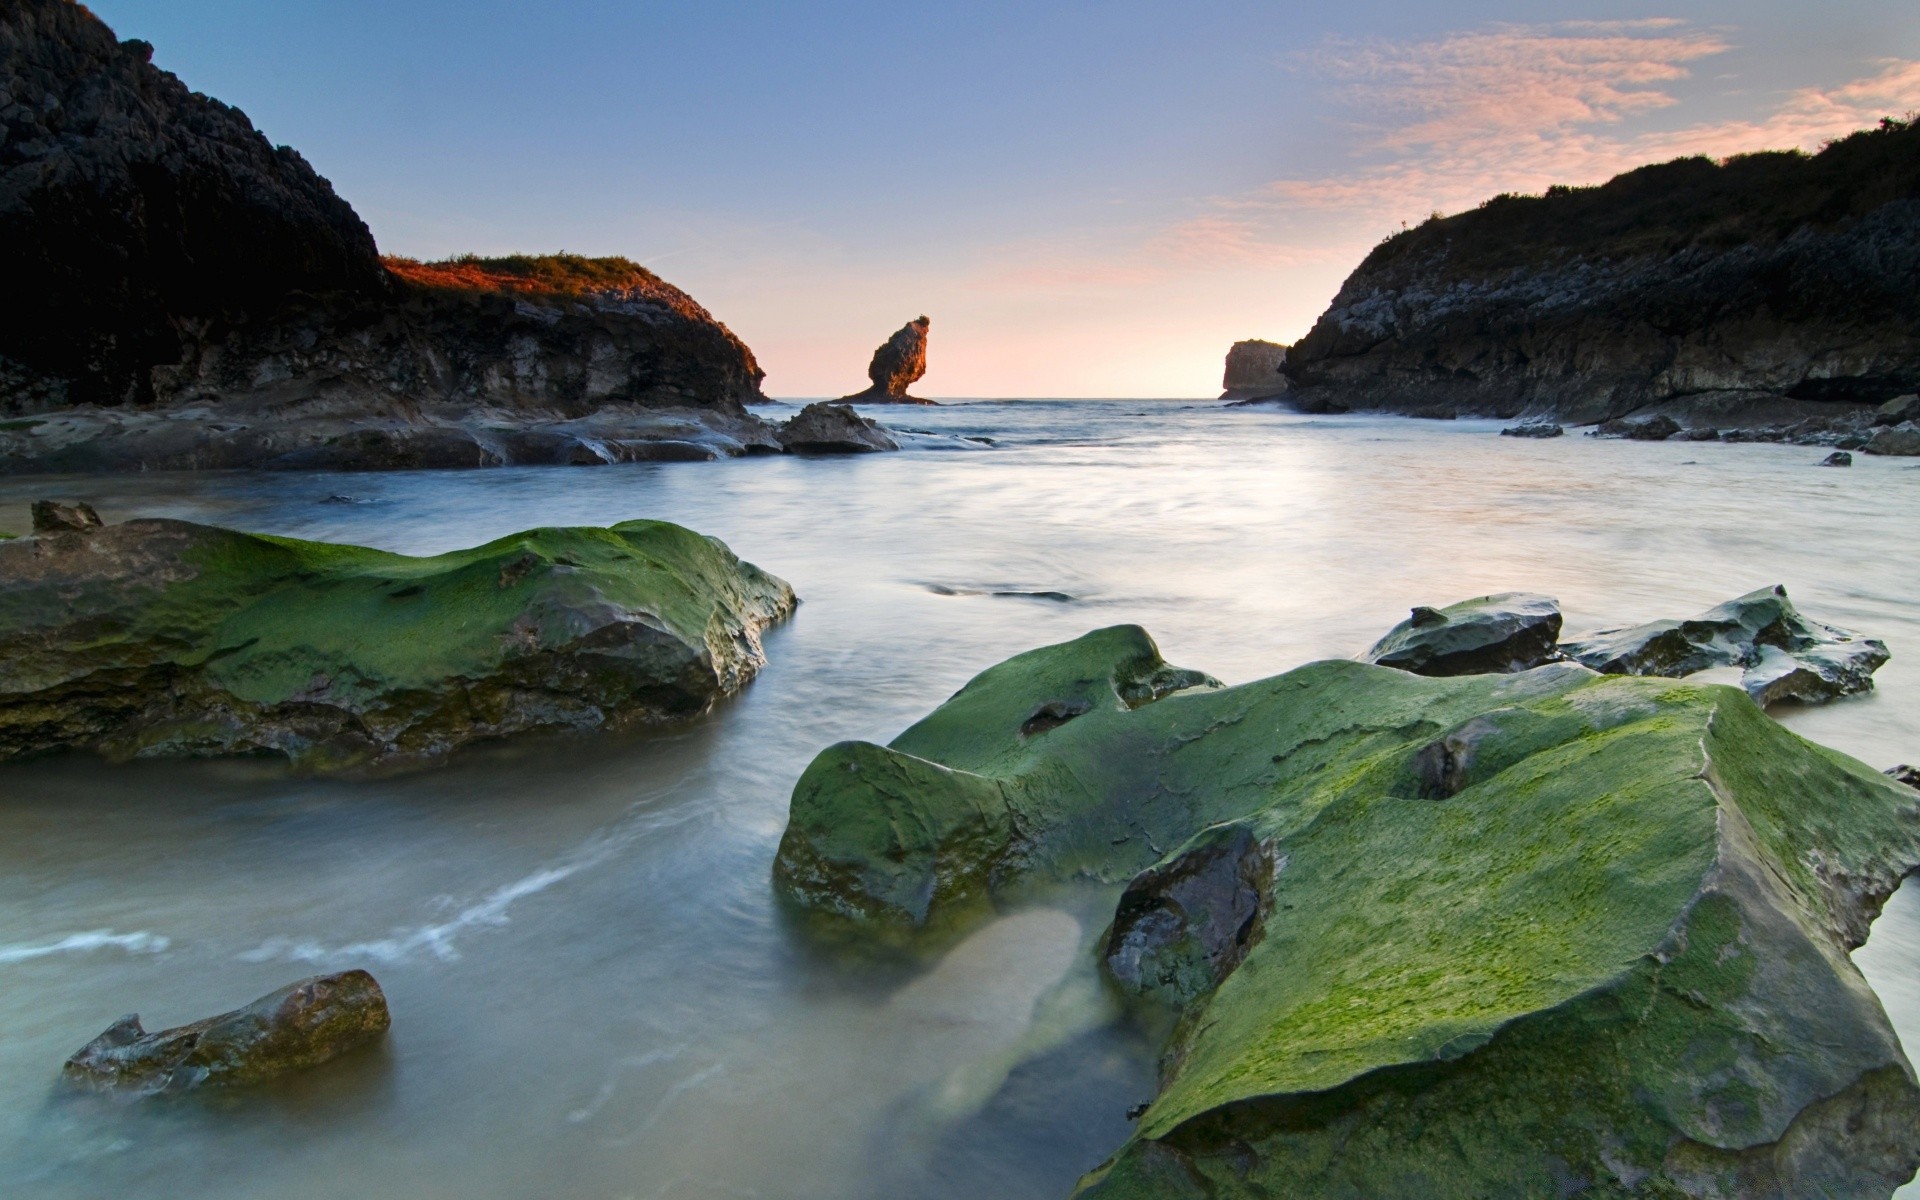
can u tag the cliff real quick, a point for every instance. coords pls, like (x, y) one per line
(1253, 371)
(897, 364)
(1766, 287)
(204, 299)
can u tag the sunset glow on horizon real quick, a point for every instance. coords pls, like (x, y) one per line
(1087, 201)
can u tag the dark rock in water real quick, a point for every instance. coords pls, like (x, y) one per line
(202, 299)
(1535, 429)
(1183, 925)
(1253, 371)
(1654, 429)
(1729, 293)
(1902, 441)
(827, 428)
(1839, 458)
(300, 1026)
(1905, 774)
(898, 364)
(51, 516)
(1569, 945)
(1786, 655)
(1700, 433)
(157, 638)
(1512, 631)
(1898, 411)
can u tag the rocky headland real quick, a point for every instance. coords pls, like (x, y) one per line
(1760, 292)
(200, 298)
(154, 638)
(1406, 935)
(1253, 371)
(897, 365)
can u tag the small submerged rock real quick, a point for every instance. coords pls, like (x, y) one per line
(1652, 429)
(828, 428)
(300, 1026)
(1905, 774)
(1787, 656)
(1839, 458)
(1511, 631)
(1533, 429)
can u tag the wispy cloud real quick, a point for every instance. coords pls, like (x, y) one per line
(1445, 123)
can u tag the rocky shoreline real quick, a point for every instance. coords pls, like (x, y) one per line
(1763, 291)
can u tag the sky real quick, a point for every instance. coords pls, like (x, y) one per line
(1089, 199)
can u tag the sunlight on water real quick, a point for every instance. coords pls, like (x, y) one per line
(594, 995)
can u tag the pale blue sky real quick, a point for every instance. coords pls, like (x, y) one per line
(1088, 199)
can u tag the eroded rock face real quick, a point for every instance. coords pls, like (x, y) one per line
(1787, 656)
(1763, 289)
(1566, 945)
(1512, 631)
(300, 1026)
(1253, 371)
(826, 428)
(1183, 925)
(204, 300)
(158, 638)
(897, 365)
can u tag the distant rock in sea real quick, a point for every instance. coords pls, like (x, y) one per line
(1253, 371)
(897, 365)
(202, 299)
(1761, 290)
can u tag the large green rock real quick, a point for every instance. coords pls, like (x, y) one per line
(1543, 934)
(160, 637)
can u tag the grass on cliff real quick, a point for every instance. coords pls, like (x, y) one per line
(527, 274)
(1668, 207)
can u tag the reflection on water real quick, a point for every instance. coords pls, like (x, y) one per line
(593, 994)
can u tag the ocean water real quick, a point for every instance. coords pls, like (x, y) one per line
(593, 993)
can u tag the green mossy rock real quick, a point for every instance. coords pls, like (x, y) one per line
(1542, 934)
(300, 1026)
(159, 637)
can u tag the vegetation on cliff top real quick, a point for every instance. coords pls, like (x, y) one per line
(1668, 207)
(527, 274)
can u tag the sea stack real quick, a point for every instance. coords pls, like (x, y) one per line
(898, 364)
(1253, 371)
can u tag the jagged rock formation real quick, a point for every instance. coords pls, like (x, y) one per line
(300, 1026)
(160, 638)
(203, 299)
(1511, 631)
(1761, 290)
(1536, 934)
(897, 365)
(1253, 371)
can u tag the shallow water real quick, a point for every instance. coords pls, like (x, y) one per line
(593, 993)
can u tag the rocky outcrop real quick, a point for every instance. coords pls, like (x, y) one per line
(1563, 956)
(160, 638)
(1511, 631)
(200, 298)
(1253, 371)
(1901, 441)
(300, 1026)
(897, 365)
(826, 428)
(1760, 290)
(1533, 429)
(1786, 655)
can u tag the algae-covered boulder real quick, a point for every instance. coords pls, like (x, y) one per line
(924, 830)
(1512, 631)
(1549, 933)
(302, 1025)
(1787, 655)
(161, 637)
